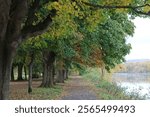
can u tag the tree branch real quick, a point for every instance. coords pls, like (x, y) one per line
(41, 27)
(141, 12)
(31, 12)
(134, 8)
(16, 17)
(4, 17)
(114, 7)
(33, 8)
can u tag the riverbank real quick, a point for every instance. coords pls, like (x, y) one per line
(107, 90)
(134, 82)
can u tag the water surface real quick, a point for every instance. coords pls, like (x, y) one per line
(134, 82)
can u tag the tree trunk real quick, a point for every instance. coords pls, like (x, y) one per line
(102, 72)
(48, 77)
(30, 74)
(54, 73)
(60, 72)
(6, 58)
(66, 74)
(20, 68)
(25, 72)
(44, 75)
(60, 76)
(12, 73)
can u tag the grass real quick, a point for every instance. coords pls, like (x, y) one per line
(107, 90)
(19, 92)
(47, 93)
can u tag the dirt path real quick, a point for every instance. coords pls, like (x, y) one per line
(78, 89)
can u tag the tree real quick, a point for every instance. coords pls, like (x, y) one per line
(22, 19)
(29, 53)
(104, 45)
(113, 44)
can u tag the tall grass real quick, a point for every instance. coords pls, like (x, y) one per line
(106, 89)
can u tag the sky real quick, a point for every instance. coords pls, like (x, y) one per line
(141, 40)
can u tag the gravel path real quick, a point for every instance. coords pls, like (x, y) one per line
(78, 89)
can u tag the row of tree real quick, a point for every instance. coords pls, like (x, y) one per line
(63, 33)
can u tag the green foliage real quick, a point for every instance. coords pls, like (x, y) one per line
(108, 41)
(72, 40)
(26, 49)
(83, 35)
(113, 39)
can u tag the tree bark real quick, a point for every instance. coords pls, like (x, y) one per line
(54, 73)
(65, 74)
(6, 58)
(60, 76)
(25, 72)
(20, 68)
(30, 74)
(10, 30)
(44, 75)
(48, 77)
(12, 73)
(60, 71)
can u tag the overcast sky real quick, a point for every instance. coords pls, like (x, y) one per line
(141, 40)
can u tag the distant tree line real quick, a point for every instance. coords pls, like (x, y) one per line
(133, 67)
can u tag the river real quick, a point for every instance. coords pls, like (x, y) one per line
(134, 82)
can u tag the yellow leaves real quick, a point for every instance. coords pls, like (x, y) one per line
(74, 4)
(117, 2)
(54, 5)
(63, 22)
(146, 9)
(67, 11)
(121, 10)
(67, 7)
(94, 19)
